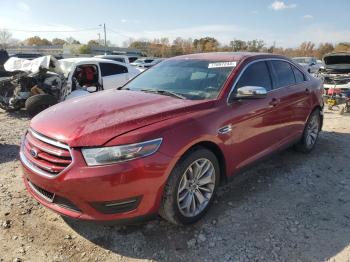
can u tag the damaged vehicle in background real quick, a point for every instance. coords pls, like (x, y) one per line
(336, 78)
(45, 81)
(336, 72)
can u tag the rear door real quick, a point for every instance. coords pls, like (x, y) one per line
(293, 91)
(113, 75)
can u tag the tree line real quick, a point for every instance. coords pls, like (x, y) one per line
(163, 47)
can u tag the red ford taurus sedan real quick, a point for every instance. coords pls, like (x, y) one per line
(162, 143)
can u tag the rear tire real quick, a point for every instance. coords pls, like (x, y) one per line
(191, 187)
(310, 134)
(37, 103)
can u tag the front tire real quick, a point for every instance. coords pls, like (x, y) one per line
(310, 134)
(191, 187)
(37, 103)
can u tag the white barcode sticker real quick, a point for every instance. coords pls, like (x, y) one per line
(222, 64)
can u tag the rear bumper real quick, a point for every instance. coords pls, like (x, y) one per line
(104, 193)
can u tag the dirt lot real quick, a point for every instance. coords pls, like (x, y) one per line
(293, 207)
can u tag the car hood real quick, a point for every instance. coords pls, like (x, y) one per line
(94, 119)
(337, 61)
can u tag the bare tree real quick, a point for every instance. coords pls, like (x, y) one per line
(5, 37)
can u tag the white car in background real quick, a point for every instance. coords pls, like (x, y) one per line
(119, 58)
(107, 74)
(146, 62)
(309, 63)
(42, 82)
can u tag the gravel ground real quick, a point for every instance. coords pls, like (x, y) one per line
(292, 207)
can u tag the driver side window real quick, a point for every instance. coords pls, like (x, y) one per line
(256, 74)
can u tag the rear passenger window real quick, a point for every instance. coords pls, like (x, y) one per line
(108, 69)
(299, 76)
(256, 74)
(283, 73)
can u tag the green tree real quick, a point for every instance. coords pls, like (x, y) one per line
(71, 41)
(36, 40)
(84, 49)
(238, 45)
(92, 43)
(255, 45)
(206, 44)
(58, 41)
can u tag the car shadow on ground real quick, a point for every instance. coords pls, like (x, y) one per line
(8, 153)
(290, 207)
(20, 114)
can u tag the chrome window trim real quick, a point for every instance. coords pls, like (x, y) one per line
(262, 60)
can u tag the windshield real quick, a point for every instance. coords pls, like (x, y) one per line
(65, 66)
(192, 79)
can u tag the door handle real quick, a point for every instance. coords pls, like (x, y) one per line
(274, 102)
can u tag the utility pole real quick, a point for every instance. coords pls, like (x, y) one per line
(104, 28)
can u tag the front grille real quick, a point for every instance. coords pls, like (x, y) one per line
(47, 156)
(48, 196)
(65, 203)
(53, 198)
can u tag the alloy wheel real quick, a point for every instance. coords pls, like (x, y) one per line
(312, 131)
(196, 187)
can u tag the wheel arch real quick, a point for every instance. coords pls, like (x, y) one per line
(216, 150)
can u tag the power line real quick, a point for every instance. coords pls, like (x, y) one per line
(118, 33)
(53, 31)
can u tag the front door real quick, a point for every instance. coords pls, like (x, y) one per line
(255, 122)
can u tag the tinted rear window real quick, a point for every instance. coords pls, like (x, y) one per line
(108, 69)
(299, 76)
(283, 73)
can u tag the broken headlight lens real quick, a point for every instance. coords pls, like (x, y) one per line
(115, 154)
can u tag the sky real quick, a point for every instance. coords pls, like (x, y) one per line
(285, 23)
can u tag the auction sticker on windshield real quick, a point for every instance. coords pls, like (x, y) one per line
(222, 64)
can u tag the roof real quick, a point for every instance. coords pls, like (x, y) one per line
(224, 56)
(112, 56)
(85, 59)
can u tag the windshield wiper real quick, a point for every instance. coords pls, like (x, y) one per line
(164, 92)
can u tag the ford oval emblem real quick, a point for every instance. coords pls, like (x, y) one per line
(33, 152)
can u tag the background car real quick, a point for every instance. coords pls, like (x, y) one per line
(119, 58)
(107, 73)
(309, 63)
(146, 62)
(336, 72)
(40, 83)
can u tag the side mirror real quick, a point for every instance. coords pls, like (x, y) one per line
(91, 89)
(251, 92)
(312, 63)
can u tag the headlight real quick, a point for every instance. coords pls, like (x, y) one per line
(115, 154)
